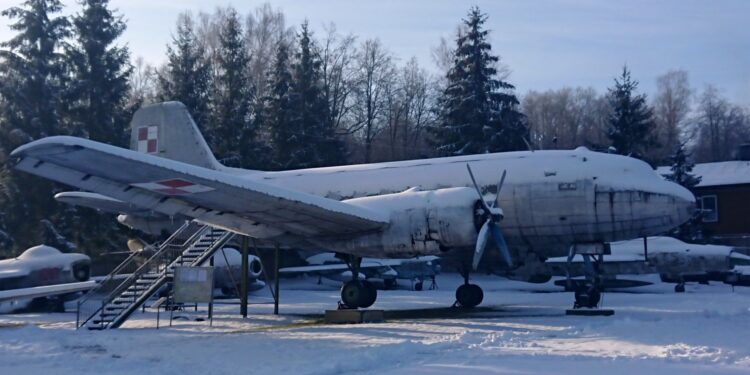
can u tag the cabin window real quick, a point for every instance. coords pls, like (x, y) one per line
(709, 208)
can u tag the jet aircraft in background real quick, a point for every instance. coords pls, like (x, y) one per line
(384, 273)
(534, 205)
(42, 277)
(674, 260)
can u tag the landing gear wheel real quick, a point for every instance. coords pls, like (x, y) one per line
(369, 296)
(356, 294)
(351, 293)
(679, 288)
(587, 298)
(469, 295)
(418, 286)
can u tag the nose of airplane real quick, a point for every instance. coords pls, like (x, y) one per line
(684, 201)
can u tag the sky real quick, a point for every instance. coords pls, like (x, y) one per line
(547, 44)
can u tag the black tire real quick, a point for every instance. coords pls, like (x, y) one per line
(81, 272)
(679, 288)
(469, 295)
(351, 293)
(418, 286)
(587, 298)
(369, 295)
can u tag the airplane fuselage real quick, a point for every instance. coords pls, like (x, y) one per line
(550, 199)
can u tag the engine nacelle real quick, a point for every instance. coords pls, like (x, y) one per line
(150, 225)
(421, 223)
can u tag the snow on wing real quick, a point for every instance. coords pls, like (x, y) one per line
(172, 187)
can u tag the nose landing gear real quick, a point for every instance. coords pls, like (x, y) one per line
(468, 295)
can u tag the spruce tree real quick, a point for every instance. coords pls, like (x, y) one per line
(681, 173)
(186, 77)
(31, 85)
(630, 123)
(99, 75)
(232, 127)
(277, 105)
(309, 141)
(33, 68)
(478, 111)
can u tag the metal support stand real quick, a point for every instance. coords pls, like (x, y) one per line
(645, 249)
(243, 278)
(210, 304)
(276, 266)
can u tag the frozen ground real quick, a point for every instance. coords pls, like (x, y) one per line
(522, 329)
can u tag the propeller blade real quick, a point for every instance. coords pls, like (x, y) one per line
(499, 187)
(481, 244)
(501, 245)
(479, 192)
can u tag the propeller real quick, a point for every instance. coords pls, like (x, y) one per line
(491, 226)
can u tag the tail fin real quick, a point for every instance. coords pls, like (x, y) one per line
(167, 130)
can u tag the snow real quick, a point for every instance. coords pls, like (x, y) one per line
(521, 330)
(733, 172)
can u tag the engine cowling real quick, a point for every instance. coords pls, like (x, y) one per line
(421, 223)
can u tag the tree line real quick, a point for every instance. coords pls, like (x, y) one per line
(270, 96)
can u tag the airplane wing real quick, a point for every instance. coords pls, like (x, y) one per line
(101, 202)
(212, 197)
(329, 267)
(45, 291)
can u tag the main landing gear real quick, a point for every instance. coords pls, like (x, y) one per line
(588, 294)
(357, 293)
(468, 295)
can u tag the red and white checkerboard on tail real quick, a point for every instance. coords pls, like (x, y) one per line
(174, 186)
(148, 139)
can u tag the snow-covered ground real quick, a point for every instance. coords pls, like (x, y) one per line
(520, 329)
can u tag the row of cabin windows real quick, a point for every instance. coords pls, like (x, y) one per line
(708, 206)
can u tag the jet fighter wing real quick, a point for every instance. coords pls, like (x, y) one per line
(328, 267)
(212, 197)
(45, 291)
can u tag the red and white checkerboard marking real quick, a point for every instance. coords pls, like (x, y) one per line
(174, 186)
(148, 139)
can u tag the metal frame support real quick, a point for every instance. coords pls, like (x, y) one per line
(276, 265)
(210, 304)
(244, 244)
(645, 249)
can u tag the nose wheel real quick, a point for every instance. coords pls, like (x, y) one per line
(469, 295)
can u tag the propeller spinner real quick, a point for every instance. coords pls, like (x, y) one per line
(491, 226)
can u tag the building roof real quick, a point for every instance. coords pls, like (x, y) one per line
(734, 172)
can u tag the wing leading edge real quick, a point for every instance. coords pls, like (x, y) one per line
(238, 204)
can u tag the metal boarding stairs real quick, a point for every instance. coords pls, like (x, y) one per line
(121, 293)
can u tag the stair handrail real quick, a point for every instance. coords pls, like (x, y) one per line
(162, 246)
(214, 245)
(145, 267)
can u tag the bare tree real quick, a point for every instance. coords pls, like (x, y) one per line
(375, 73)
(338, 56)
(671, 107)
(265, 28)
(719, 127)
(142, 84)
(566, 118)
